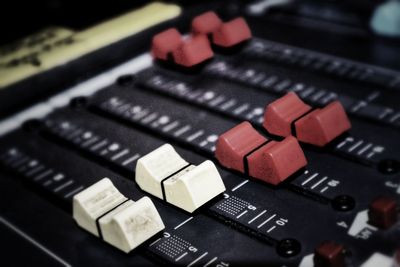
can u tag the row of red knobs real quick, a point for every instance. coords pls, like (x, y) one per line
(196, 48)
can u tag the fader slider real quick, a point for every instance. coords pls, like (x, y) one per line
(166, 175)
(103, 211)
(289, 115)
(223, 34)
(187, 52)
(243, 149)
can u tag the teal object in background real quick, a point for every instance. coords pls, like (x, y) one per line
(386, 19)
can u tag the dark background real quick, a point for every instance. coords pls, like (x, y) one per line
(19, 18)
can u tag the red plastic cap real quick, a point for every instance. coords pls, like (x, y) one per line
(165, 42)
(280, 114)
(193, 51)
(232, 33)
(323, 125)
(383, 212)
(329, 254)
(276, 161)
(206, 23)
(234, 144)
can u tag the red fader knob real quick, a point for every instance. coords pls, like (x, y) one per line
(276, 161)
(224, 34)
(206, 23)
(186, 52)
(322, 125)
(290, 115)
(243, 149)
(165, 43)
(280, 114)
(382, 212)
(193, 51)
(235, 144)
(232, 33)
(329, 254)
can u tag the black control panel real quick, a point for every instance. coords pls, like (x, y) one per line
(336, 211)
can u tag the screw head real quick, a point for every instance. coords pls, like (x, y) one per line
(125, 80)
(343, 203)
(389, 166)
(288, 248)
(78, 102)
(32, 125)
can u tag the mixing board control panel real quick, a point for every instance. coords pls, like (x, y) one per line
(229, 149)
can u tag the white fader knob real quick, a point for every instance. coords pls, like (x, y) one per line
(164, 174)
(103, 211)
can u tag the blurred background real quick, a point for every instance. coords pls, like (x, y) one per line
(24, 17)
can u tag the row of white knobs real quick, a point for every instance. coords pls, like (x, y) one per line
(103, 211)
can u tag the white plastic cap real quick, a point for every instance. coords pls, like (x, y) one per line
(188, 189)
(131, 224)
(94, 201)
(194, 187)
(379, 260)
(123, 223)
(152, 168)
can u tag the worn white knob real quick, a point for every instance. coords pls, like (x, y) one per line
(163, 173)
(102, 210)
(94, 201)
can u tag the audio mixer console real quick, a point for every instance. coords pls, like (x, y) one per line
(223, 148)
